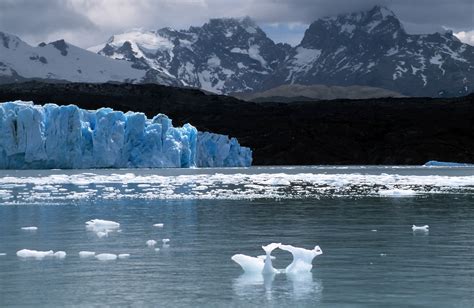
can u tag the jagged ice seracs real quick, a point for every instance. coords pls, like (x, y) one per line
(52, 136)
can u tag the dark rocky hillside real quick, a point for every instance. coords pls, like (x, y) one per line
(373, 131)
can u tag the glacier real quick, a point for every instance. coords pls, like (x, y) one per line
(67, 137)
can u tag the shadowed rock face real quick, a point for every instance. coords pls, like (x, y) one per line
(373, 131)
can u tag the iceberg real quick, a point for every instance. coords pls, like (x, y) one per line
(435, 163)
(302, 260)
(67, 137)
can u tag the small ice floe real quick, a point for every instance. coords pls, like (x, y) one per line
(397, 193)
(2, 254)
(32, 228)
(124, 256)
(86, 254)
(165, 241)
(101, 227)
(424, 228)
(106, 257)
(434, 163)
(151, 243)
(158, 225)
(374, 230)
(302, 258)
(157, 249)
(39, 255)
(260, 264)
(60, 254)
(383, 254)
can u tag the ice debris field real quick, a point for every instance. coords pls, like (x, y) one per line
(24, 187)
(97, 226)
(67, 137)
(301, 263)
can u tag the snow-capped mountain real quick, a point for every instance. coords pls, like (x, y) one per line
(368, 48)
(372, 48)
(224, 55)
(230, 55)
(60, 61)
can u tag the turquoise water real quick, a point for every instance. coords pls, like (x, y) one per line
(392, 266)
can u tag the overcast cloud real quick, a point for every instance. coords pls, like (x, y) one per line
(89, 22)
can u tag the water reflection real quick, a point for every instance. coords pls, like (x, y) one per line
(304, 286)
(256, 285)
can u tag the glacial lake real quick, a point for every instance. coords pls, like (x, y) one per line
(360, 216)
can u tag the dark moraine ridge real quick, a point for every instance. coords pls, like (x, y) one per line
(371, 131)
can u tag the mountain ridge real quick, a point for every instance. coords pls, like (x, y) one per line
(228, 55)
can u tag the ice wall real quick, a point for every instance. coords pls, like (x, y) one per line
(51, 136)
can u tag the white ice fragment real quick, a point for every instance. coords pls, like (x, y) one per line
(374, 230)
(106, 257)
(383, 254)
(424, 228)
(151, 243)
(302, 258)
(397, 193)
(260, 264)
(32, 228)
(86, 254)
(158, 225)
(60, 254)
(157, 249)
(101, 225)
(2, 254)
(123, 255)
(165, 240)
(27, 253)
(249, 264)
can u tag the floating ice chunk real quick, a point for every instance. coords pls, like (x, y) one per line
(260, 264)
(374, 230)
(27, 253)
(158, 225)
(60, 254)
(151, 243)
(165, 241)
(101, 225)
(2, 254)
(249, 264)
(86, 254)
(424, 228)
(32, 228)
(157, 249)
(397, 193)
(123, 255)
(434, 163)
(106, 257)
(302, 258)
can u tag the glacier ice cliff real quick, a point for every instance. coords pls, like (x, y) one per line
(52, 136)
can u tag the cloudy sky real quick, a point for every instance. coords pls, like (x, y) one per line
(90, 22)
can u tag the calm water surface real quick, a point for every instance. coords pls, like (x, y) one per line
(360, 267)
